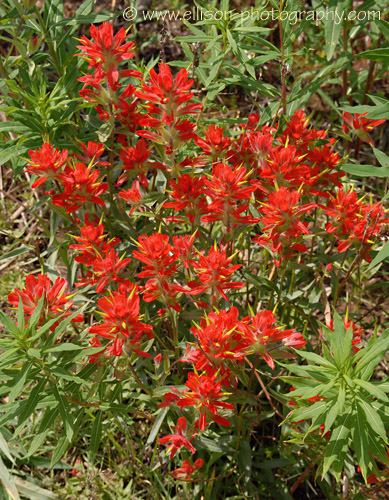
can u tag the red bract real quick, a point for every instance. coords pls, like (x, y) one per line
(106, 268)
(360, 126)
(81, 185)
(203, 392)
(226, 187)
(282, 222)
(186, 470)
(92, 153)
(188, 196)
(260, 331)
(136, 162)
(218, 340)
(122, 323)
(169, 93)
(214, 144)
(170, 132)
(214, 273)
(183, 248)
(46, 162)
(158, 256)
(353, 220)
(107, 51)
(91, 244)
(132, 196)
(56, 300)
(178, 439)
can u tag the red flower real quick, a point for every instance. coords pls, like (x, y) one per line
(56, 300)
(214, 144)
(178, 439)
(188, 196)
(361, 126)
(91, 244)
(186, 470)
(132, 196)
(107, 51)
(203, 392)
(282, 220)
(158, 256)
(214, 272)
(353, 220)
(260, 331)
(169, 93)
(106, 268)
(81, 185)
(121, 324)
(136, 162)
(46, 163)
(219, 340)
(227, 186)
(91, 154)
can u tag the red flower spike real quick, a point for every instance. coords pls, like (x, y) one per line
(260, 331)
(361, 126)
(203, 392)
(106, 268)
(169, 93)
(81, 185)
(92, 153)
(282, 220)
(214, 272)
(188, 195)
(186, 470)
(46, 162)
(107, 51)
(178, 439)
(122, 323)
(56, 300)
(91, 244)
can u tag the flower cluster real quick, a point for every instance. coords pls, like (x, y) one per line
(170, 214)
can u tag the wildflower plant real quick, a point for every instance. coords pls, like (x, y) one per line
(205, 265)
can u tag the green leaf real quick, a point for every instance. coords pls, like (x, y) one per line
(33, 491)
(64, 347)
(382, 158)
(372, 389)
(338, 444)
(333, 27)
(315, 409)
(372, 418)
(315, 358)
(156, 426)
(97, 430)
(9, 325)
(4, 448)
(370, 356)
(380, 257)
(331, 416)
(380, 54)
(341, 341)
(19, 382)
(64, 411)
(8, 482)
(365, 170)
(32, 401)
(360, 442)
(44, 428)
(245, 461)
(60, 449)
(14, 253)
